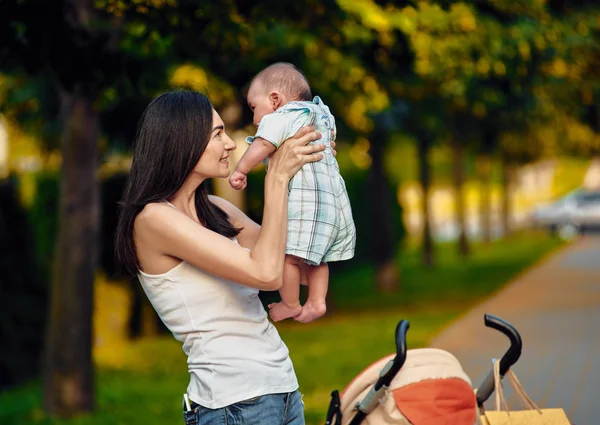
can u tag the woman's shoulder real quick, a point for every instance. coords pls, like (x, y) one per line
(153, 214)
(153, 209)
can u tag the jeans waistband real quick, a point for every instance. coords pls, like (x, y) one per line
(193, 405)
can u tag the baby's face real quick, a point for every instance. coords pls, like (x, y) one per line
(259, 102)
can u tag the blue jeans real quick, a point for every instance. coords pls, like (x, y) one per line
(270, 409)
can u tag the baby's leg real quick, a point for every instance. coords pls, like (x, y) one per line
(318, 282)
(290, 291)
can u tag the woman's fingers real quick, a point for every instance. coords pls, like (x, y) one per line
(303, 131)
(307, 138)
(296, 152)
(309, 153)
(308, 149)
(313, 157)
(304, 136)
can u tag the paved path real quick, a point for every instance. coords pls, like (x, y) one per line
(556, 308)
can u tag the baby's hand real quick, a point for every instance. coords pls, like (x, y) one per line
(238, 180)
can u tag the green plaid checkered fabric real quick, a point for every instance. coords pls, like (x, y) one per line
(320, 223)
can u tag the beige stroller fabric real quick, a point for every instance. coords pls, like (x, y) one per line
(431, 388)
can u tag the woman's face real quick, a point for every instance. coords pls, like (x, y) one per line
(214, 162)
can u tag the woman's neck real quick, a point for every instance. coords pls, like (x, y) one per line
(185, 198)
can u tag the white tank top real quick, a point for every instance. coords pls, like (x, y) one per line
(233, 352)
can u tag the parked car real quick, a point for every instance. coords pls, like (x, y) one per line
(575, 213)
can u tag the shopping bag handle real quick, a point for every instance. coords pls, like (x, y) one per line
(510, 357)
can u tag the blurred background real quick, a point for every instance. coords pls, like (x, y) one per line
(467, 136)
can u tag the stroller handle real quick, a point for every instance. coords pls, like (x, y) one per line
(508, 359)
(371, 400)
(386, 378)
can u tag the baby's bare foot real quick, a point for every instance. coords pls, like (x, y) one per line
(311, 311)
(281, 311)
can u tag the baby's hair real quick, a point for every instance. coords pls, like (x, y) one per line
(287, 78)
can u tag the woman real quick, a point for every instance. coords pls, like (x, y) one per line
(201, 261)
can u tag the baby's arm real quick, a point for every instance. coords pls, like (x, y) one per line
(259, 150)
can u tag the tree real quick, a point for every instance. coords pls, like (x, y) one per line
(427, 126)
(68, 366)
(424, 143)
(385, 245)
(86, 55)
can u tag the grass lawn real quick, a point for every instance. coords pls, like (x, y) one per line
(147, 385)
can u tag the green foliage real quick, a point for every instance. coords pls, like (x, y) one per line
(482, 62)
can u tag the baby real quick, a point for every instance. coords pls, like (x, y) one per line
(320, 224)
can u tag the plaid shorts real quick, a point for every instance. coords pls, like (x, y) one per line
(320, 223)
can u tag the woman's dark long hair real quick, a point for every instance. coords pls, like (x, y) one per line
(172, 134)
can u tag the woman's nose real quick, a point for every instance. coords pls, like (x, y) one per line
(230, 144)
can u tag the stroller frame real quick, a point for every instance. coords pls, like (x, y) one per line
(387, 374)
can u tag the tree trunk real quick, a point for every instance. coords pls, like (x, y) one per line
(507, 177)
(484, 169)
(68, 370)
(425, 177)
(384, 249)
(458, 168)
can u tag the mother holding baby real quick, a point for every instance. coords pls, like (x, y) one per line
(201, 261)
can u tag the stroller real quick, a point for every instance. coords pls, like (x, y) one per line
(418, 387)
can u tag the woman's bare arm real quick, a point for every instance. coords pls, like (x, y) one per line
(250, 229)
(170, 232)
(164, 229)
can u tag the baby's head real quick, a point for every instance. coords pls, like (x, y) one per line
(275, 86)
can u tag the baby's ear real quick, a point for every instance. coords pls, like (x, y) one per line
(275, 98)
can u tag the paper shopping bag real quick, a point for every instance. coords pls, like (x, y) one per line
(526, 417)
(531, 415)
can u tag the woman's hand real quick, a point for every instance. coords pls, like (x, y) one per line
(295, 152)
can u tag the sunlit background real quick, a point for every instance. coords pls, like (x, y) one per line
(468, 132)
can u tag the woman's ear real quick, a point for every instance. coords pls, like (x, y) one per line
(275, 99)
